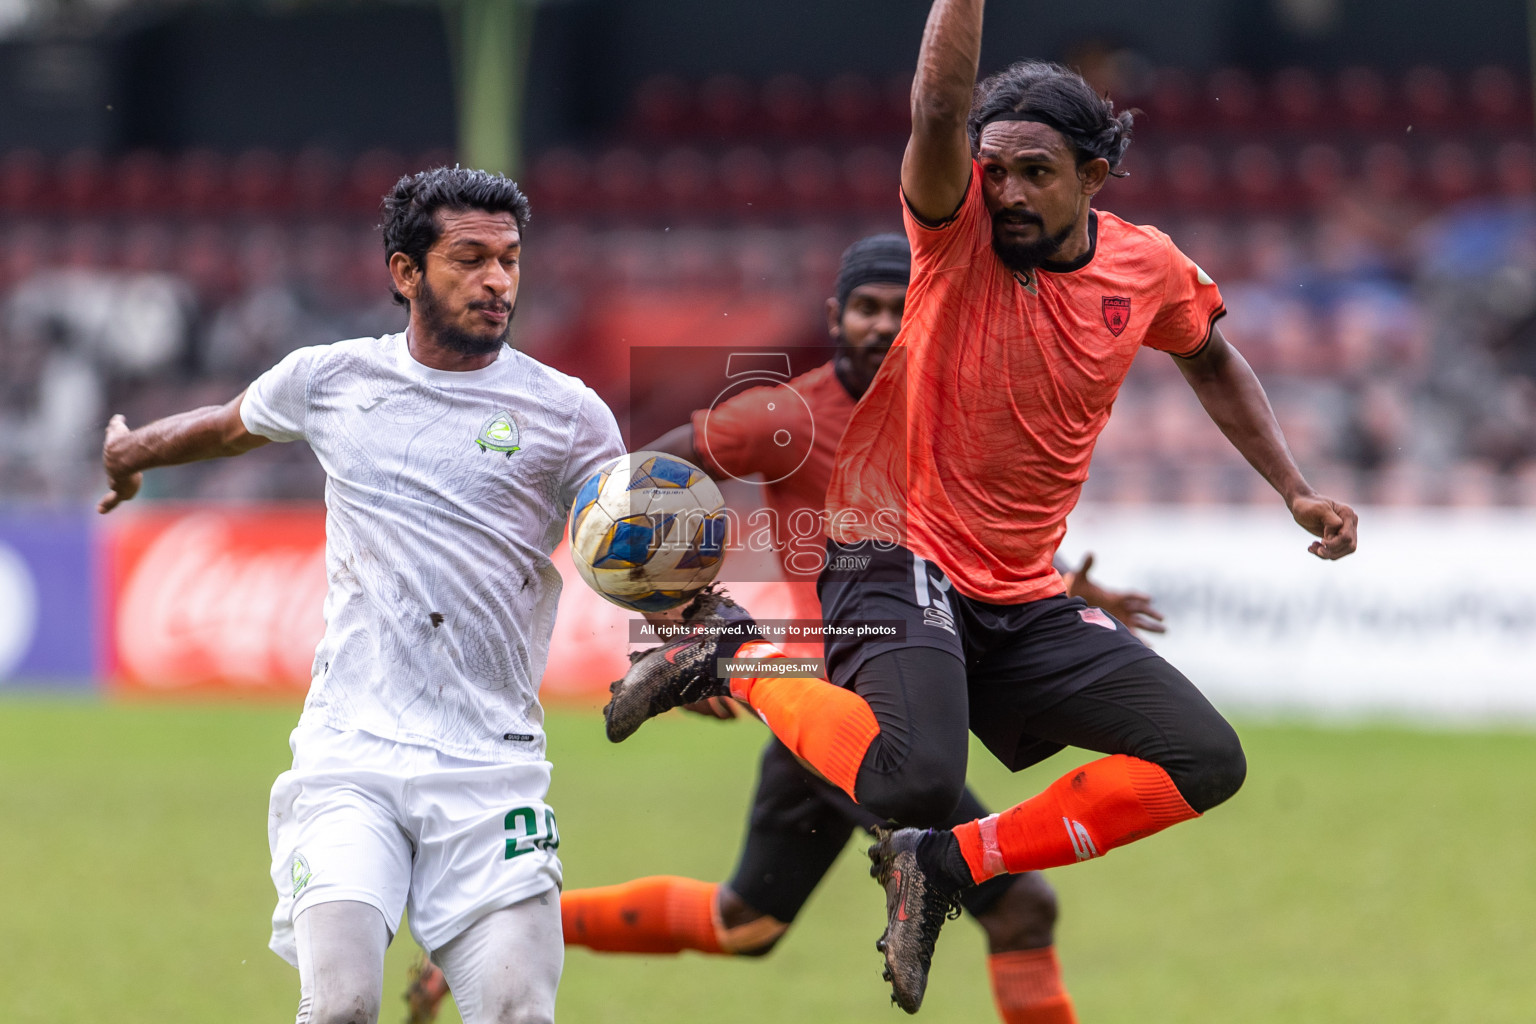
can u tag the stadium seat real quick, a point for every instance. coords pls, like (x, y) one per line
(1362, 97)
(203, 258)
(852, 103)
(1172, 101)
(372, 175)
(199, 182)
(1515, 170)
(143, 182)
(1320, 169)
(147, 247)
(873, 176)
(897, 118)
(1139, 188)
(686, 179)
(1190, 178)
(1258, 177)
(23, 173)
(559, 182)
(725, 106)
(791, 107)
(316, 175)
(1454, 172)
(624, 181)
(88, 245)
(663, 104)
(1430, 96)
(1234, 97)
(1387, 171)
(80, 180)
(258, 182)
(1498, 99)
(1297, 97)
(747, 181)
(810, 179)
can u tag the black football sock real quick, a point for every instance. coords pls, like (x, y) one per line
(938, 854)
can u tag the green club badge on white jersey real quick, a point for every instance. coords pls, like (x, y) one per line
(300, 873)
(499, 434)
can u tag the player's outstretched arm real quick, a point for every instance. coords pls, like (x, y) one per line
(936, 168)
(678, 441)
(1233, 397)
(207, 433)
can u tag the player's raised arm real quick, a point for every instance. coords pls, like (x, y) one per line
(937, 166)
(211, 432)
(1233, 397)
(678, 441)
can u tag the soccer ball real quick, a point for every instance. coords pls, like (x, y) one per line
(648, 531)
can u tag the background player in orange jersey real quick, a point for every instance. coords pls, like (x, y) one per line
(799, 824)
(950, 495)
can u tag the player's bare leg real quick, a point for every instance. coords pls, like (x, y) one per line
(1027, 986)
(505, 967)
(341, 962)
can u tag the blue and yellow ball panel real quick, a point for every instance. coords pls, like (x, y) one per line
(628, 544)
(585, 498)
(660, 471)
(655, 601)
(707, 545)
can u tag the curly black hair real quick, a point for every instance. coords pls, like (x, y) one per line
(1061, 97)
(410, 208)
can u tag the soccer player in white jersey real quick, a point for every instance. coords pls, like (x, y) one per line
(419, 770)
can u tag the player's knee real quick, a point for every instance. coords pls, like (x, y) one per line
(922, 795)
(523, 1011)
(1024, 917)
(341, 1004)
(1219, 767)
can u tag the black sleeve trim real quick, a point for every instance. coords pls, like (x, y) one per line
(1210, 330)
(939, 225)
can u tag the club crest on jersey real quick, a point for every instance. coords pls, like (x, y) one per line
(499, 434)
(1117, 314)
(300, 873)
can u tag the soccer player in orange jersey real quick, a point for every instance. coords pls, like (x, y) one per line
(950, 495)
(799, 824)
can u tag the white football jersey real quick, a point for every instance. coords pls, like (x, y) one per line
(446, 492)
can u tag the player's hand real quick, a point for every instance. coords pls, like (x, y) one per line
(1131, 607)
(1333, 521)
(122, 484)
(724, 708)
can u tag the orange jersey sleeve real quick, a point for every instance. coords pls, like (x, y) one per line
(741, 436)
(937, 248)
(1191, 304)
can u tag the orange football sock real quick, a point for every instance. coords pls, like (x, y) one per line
(1026, 985)
(663, 914)
(825, 726)
(1084, 814)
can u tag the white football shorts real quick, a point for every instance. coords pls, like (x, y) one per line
(404, 827)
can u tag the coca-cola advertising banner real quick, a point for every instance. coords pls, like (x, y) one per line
(204, 600)
(215, 599)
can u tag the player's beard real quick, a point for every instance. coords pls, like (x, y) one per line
(453, 337)
(1026, 256)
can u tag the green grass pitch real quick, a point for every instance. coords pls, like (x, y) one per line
(1363, 875)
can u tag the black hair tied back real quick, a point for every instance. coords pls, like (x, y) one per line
(1057, 96)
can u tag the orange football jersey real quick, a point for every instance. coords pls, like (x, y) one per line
(973, 442)
(791, 439)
